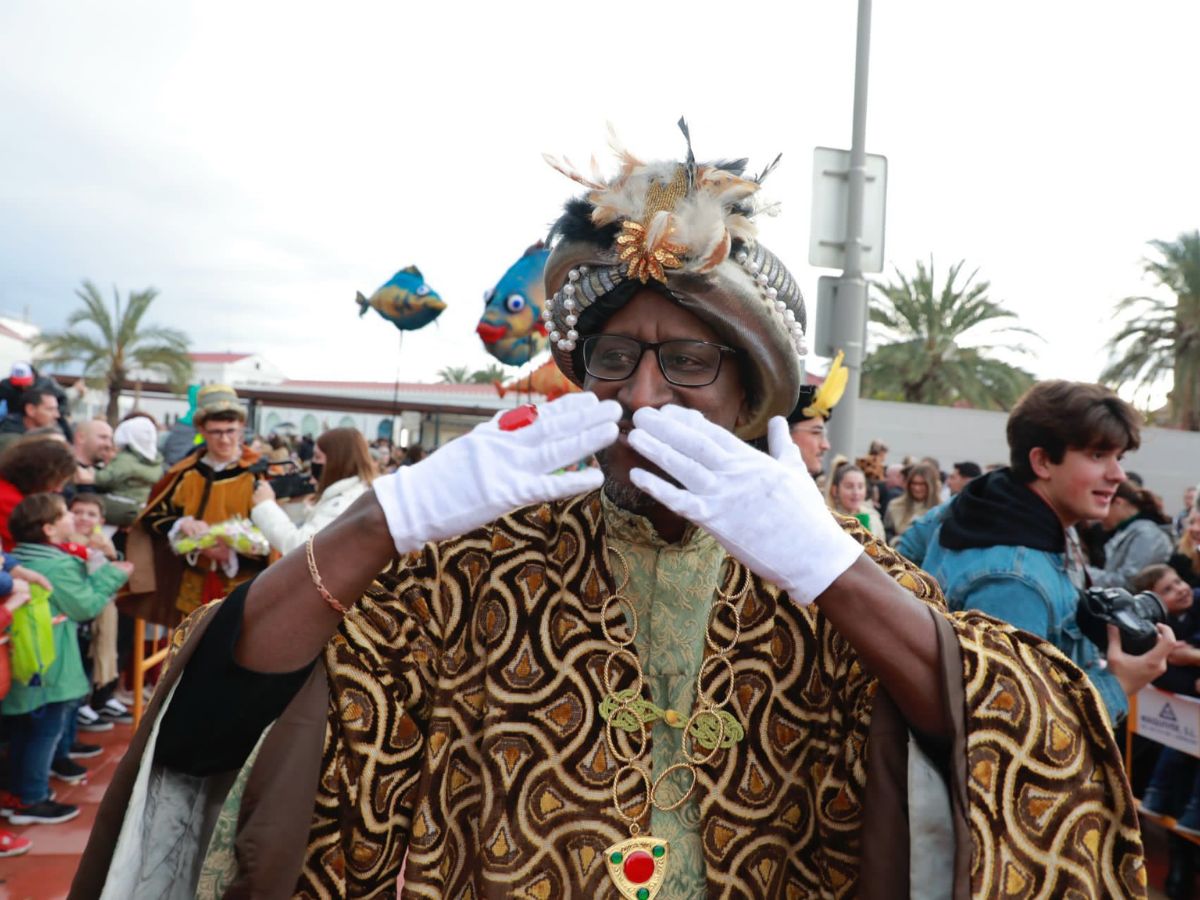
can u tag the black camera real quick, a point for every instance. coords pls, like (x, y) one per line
(1135, 616)
(293, 484)
(286, 486)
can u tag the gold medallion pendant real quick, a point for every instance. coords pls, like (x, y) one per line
(638, 866)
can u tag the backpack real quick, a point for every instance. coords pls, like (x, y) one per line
(32, 638)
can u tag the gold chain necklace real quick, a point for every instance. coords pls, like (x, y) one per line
(638, 865)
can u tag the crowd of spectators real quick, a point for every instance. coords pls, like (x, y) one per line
(76, 502)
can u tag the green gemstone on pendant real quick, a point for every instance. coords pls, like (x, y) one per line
(659, 851)
(643, 894)
(616, 859)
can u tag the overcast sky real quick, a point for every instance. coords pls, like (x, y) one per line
(259, 163)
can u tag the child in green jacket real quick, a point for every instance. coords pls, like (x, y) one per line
(40, 716)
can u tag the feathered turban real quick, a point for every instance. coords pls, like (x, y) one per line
(689, 228)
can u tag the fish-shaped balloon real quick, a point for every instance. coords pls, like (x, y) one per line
(547, 379)
(405, 300)
(512, 329)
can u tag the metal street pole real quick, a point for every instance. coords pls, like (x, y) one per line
(850, 317)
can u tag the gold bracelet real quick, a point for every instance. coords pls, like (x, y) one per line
(316, 580)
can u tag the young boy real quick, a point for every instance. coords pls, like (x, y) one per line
(1002, 546)
(97, 641)
(1174, 787)
(40, 717)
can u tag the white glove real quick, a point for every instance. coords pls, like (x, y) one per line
(765, 510)
(487, 472)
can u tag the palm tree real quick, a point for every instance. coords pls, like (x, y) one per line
(121, 346)
(929, 350)
(491, 374)
(1163, 336)
(454, 375)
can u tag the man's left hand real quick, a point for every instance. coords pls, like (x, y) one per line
(765, 510)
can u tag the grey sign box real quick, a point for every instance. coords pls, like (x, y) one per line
(827, 234)
(822, 333)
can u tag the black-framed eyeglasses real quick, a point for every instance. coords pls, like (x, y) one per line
(685, 363)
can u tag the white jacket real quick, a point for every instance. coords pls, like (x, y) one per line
(284, 536)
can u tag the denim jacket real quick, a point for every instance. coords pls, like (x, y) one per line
(1030, 589)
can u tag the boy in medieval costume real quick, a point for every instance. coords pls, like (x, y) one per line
(679, 675)
(212, 484)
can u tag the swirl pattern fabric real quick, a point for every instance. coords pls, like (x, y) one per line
(464, 730)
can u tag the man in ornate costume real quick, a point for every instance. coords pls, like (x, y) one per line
(693, 682)
(809, 419)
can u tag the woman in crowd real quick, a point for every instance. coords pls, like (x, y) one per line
(848, 496)
(1140, 536)
(1186, 558)
(921, 489)
(137, 467)
(32, 465)
(344, 469)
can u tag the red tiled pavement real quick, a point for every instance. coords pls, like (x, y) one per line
(45, 872)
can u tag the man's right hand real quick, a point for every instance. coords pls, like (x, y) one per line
(190, 527)
(488, 472)
(1135, 672)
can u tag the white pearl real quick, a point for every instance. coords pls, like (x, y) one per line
(742, 257)
(780, 306)
(772, 293)
(568, 290)
(547, 313)
(583, 270)
(571, 320)
(554, 335)
(762, 279)
(572, 275)
(572, 335)
(568, 303)
(752, 268)
(789, 315)
(564, 345)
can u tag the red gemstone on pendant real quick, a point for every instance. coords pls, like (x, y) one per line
(518, 418)
(639, 866)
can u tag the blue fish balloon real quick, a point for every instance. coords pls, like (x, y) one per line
(405, 300)
(512, 329)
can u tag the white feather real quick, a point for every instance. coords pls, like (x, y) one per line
(699, 225)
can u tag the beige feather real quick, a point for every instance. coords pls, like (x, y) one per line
(566, 167)
(628, 161)
(725, 186)
(741, 228)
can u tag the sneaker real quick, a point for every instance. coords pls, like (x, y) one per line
(115, 711)
(13, 844)
(85, 715)
(68, 771)
(8, 802)
(45, 812)
(84, 751)
(100, 724)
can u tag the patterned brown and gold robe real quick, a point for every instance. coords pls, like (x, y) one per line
(462, 729)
